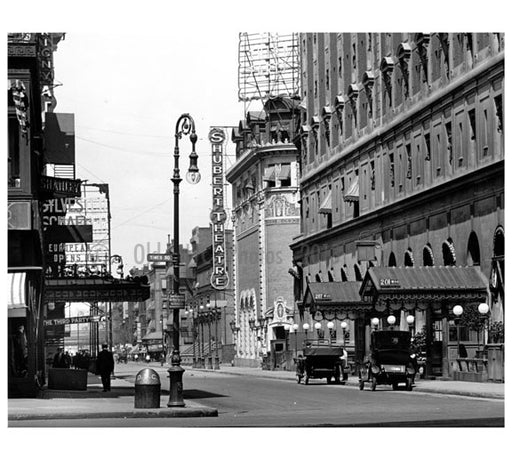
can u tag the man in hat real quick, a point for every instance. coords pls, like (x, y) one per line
(105, 366)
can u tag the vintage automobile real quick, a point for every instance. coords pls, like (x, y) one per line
(391, 361)
(321, 360)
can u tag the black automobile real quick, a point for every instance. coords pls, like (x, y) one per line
(391, 361)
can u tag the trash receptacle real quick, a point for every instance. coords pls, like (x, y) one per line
(147, 389)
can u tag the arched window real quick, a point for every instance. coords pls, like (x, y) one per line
(392, 260)
(408, 258)
(449, 258)
(473, 253)
(428, 256)
(357, 272)
(318, 278)
(499, 242)
(329, 276)
(344, 274)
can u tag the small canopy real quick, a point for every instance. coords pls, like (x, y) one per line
(326, 206)
(353, 192)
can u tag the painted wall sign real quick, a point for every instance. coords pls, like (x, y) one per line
(389, 282)
(219, 279)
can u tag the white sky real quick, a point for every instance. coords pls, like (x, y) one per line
(127, 91)
(129, 69)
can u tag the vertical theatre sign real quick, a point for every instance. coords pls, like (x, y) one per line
(219, 279)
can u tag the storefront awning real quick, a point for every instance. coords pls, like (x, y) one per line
(270, 173)
(152, 336)
(284, 173)
(335, 299)
(407, 287)
(353, 192)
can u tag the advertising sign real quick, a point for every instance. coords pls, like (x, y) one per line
(219, 279)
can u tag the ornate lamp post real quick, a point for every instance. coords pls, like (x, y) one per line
(483, 309)
(184, 126)
(318, 326)
(375, 323)
(457, 311)
(305, 328)
(330, 326)
(344, 326)
(391, 321)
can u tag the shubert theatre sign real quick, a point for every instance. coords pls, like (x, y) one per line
(219, 279)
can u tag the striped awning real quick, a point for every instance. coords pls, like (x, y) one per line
(353, 192)
(326, 206)
(270, 173)
(284, 173)
(16, 284)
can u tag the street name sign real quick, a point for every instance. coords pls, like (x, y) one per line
(176, 301)
(159, 257)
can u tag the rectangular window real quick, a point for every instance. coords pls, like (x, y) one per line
(485, 129)
(472, 132)
(13, 159)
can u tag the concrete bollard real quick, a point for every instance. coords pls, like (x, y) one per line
(147, 389)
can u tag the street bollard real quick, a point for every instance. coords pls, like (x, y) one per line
(147, 389)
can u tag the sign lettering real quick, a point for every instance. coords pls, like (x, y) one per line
(219, 278)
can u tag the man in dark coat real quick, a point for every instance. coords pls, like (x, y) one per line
(105, 366)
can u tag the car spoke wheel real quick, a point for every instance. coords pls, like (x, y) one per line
(374, 383)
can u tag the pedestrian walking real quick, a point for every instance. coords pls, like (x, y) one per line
(105, 366)
(60, 359)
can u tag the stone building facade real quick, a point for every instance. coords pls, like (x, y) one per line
(402, 163)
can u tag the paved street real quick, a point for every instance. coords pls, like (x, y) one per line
(249, 401)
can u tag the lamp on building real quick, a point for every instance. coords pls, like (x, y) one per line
(318, 327)
(457, 311)
(330, 326)
(344, 327)
(305, 328)
(184, 126)
(483, 309)
(410, 322)
(375, 323)
(391, 319)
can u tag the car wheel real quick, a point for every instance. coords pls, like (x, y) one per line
(361, 384)
(408, 385)
(374, 383)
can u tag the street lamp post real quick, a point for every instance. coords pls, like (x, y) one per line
(457, 311)
(483, 309)
(330, 326)
(344, 326)
(184, 126)
(305, 328)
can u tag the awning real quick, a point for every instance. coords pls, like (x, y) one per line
(270, 173)
(285, 172)
(16, 301)
(326, 206)
(353, 192)
(335, 299)
(410, 287)
(153, 336)
(16, 290)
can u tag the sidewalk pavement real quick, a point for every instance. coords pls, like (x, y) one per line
(94, 403)
(119, 403)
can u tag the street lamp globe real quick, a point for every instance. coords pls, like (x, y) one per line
(286, 327)
(193, 177)
(457, 310)
(318, 326)
(410, 319)
(483, 308)
(391, 320)
(375, 322)
(295, 327)
(305, 326)
(330, 325)
(344, 325)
